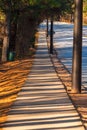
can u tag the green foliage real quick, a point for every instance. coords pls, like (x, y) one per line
(85, 6)
(40, 4)
(38, 9)
(33, 12)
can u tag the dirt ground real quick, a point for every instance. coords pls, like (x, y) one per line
(79, 100)
(12, 77)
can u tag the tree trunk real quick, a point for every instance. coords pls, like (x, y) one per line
(4, 49)
(77, 48)
(6, 37)
(26, 28)
(14, 23)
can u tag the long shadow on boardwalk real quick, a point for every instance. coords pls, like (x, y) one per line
(43, 103)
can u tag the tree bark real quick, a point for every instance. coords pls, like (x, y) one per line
(6, 37)
(13, 33)
(26, 28)
(77, 48)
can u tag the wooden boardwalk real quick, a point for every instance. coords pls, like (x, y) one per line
(43, 103)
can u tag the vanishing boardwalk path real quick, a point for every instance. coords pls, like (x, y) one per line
(43, 103)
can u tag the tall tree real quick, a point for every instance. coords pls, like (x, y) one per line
(11, 9)
(77, 48)
(36, 9)
(7, 30)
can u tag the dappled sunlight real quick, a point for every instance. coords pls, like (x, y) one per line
(80, 100)
(13, 74)
(63, 66)
(62, 72)
(43, 102)
(63, 42)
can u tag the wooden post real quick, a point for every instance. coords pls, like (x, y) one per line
(47, 28)
(51, 36)
(77, 48)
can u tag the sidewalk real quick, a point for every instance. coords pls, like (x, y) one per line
(43, 103)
